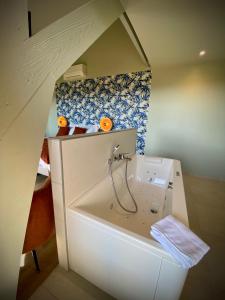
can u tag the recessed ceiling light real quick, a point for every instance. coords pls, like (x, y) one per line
(202, 53)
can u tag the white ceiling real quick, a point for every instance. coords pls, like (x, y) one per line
(175, 31)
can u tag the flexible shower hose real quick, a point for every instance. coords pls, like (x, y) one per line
(117, 197)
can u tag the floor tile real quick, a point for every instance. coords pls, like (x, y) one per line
(42, 293)
(70, 286)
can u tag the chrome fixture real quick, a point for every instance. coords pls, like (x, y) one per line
(115, 148)
(112, 157)
(121, 156)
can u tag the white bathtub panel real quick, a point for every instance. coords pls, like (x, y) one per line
(61, 240)
(60, 223)
(171, 281)
(58, 200)
(54, 147)
(114, 263)
(179, 208)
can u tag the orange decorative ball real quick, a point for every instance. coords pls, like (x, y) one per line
(62, 121)
(106, 124)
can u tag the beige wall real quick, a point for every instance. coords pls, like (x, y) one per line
(187, 117)
(113, 53)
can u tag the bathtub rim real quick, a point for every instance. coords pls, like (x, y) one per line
(179, 208)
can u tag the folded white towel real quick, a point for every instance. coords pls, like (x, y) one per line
(185, 246)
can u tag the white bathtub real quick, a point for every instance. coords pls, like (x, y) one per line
(114, 249)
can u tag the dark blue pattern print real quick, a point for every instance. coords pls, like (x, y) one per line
(124, 98)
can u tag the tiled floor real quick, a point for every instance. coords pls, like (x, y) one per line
(68, 286)
(29, 279)
(206, 209)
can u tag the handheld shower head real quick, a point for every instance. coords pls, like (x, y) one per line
(115, 148)
(112, 157)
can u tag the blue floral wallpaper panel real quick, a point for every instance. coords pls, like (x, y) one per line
(124, 98)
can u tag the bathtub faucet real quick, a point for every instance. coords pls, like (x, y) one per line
(120, 156)
(123, 156)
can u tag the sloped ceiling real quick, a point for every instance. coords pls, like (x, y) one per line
(113, 53)
(44, 12)
(174, 32)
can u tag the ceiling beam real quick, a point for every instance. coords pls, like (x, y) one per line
(134, 38)
(29, 69)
